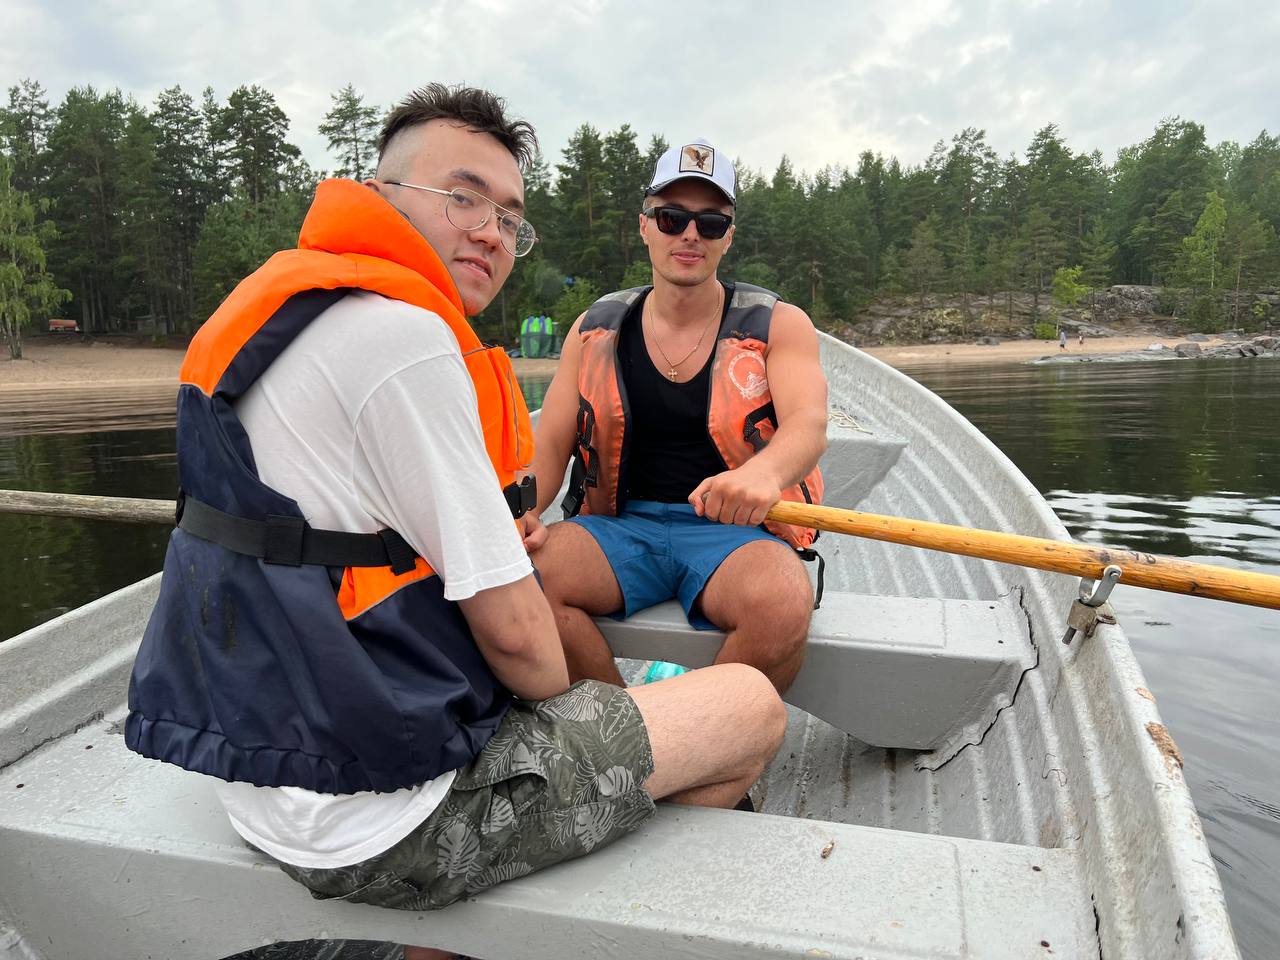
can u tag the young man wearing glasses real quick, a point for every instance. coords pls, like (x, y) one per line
(349, 635)
(690, 408)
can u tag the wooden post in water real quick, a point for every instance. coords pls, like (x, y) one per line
(119, 509)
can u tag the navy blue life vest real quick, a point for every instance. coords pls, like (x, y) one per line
(276, 672)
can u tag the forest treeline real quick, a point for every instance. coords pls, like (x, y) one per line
(124, 216)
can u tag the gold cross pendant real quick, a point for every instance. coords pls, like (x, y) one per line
(671, 374)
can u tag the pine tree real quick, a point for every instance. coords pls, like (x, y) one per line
(1250, 253)
(351, 127)
(1096, 254)
(581, 202)
(85, 177)
(213, 151)
(182, 174)
(623, 181)
(1198, 265)
(250, 131)
(24, 133)
(922, 265)
(1045, 251)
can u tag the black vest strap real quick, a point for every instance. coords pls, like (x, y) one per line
(586, 462)
(809, 555)
(292, 541)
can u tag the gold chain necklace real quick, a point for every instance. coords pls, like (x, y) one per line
(672, 373)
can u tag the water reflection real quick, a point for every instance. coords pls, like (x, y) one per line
(1179, 459)
(51, 564)
(71, 408)
(1242, 528)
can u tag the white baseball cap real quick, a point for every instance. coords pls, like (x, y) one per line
(697, 160)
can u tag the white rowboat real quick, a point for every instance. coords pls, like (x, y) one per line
(955, 782)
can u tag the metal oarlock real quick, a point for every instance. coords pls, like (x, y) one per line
(1086, 612)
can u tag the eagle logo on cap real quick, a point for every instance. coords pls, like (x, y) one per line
(697, 158)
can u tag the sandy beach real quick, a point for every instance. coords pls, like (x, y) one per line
(76, 365)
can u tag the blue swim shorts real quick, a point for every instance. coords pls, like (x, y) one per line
(664, 550)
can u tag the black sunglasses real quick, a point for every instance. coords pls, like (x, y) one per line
(674, 220)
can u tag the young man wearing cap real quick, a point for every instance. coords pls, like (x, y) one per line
(690, 407)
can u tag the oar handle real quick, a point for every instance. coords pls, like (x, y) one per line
(1137, 569)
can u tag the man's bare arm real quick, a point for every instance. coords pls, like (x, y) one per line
(516, 634)
(799, 390)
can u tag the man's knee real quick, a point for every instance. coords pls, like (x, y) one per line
(780, 607)
(577, 578)
(550, 557)
(759, 704)
(793, 606)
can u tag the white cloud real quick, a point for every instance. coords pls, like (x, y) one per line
(819, 82)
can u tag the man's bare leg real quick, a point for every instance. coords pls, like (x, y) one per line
(712, 732)
(579, 584)
(761, 597)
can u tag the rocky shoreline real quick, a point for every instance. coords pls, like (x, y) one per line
(1118, 311)
(1229, 347)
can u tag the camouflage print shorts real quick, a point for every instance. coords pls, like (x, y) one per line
(559, 779)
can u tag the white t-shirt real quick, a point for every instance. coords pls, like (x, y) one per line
(368, 420)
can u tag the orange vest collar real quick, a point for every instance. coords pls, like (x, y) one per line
(348, 217)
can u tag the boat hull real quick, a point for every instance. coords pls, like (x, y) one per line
(1051, 771)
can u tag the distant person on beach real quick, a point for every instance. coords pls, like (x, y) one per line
(1082, 336)
(349, 634)
(689, 407)
(1062, 339)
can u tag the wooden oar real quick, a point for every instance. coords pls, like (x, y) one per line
(1137, 569)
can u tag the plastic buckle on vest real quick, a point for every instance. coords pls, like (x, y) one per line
(751, 426)
(402, 557)
(571, 504)
(283, 541)
(521, 497)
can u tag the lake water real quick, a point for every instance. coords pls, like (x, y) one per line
(1174, 458)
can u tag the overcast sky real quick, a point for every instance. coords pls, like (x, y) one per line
(817, 82)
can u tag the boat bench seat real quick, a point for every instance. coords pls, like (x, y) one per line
(911, 672)
(108, 855)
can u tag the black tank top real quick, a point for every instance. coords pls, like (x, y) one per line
(669, 449)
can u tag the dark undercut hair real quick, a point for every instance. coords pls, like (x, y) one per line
(478, 109)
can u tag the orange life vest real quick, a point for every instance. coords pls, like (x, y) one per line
(353, 239)
(273, 656)
(740, 413)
